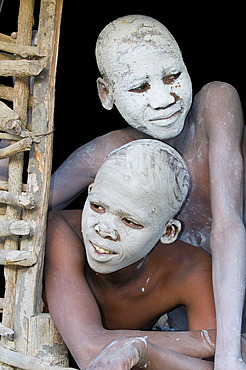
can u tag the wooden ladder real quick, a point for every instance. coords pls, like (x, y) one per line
(29, 339)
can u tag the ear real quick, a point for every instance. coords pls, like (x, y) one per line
(171, 232)
(90, 187)
(104, 94)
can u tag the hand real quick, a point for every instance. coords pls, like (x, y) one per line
(121, 354)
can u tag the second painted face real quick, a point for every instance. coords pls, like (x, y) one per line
(137, 191)
(118, 227)
(152, 90)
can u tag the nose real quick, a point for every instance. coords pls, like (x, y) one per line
(161, 97)
(106, 231)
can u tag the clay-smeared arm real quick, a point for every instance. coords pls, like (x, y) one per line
(124, 353)
(224, 125)
(79, 169)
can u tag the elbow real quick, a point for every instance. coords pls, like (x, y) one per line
(228, 236)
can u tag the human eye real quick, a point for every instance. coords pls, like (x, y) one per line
(133, 224)
(96, 207)
(169, 79)
(141, 88)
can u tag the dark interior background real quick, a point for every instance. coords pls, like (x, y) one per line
(210, 37)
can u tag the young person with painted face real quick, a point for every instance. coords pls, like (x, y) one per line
(124, 271)
(144, 76)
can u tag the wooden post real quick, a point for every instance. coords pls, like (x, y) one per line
(36, 341)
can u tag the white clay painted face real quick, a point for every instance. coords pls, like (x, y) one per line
(118, 228)
(153, 94)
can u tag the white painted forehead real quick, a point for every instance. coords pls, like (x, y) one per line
(150, 165)
(127, 33)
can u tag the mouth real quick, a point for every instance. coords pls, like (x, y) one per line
(165, 121)
(101, 250)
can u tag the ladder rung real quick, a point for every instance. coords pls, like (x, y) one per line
(6, 92)
(7, 38)
(23, 201)
(4, 185)
(4, 331)
(9, 120)
(20, 146)
(21, 68)
(14, 227)
(17, 258)
(23, 51)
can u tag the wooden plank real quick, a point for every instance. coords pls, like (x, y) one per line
(16, 162)
(17, 258)
(21, 68)
(17, 200)
(20, 146)
(21, 50)
(48, 343)
(7, 38)
(6, 93)
(4, 185)
(9, 120)
(4, 331)
(24, 362)
(14, 227)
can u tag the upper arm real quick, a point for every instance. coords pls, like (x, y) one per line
(197, 294)
(224, 126)
(68, 295)
(78, 171)
(70, 300)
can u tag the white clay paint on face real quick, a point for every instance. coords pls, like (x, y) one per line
(130, 204)
(144, 53)
(106, 233)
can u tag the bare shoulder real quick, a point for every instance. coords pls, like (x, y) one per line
(187, 262)
(216, 91)
(64, 239)
(97, 149)
(117, 138)
(217, 98)
(217, 110)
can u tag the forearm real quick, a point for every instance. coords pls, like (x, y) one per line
(228, 252)
(196, 344)
(156, 357)
(138, 353)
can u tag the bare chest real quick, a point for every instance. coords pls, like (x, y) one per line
(136, 306)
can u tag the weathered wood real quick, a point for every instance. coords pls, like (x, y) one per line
(20, 146)
(9, 120)
(4, 185)
(16, 162)
(1, 304)
(21, 68)
(6, 93)
(14, 227)
(24, 362)
(7, 136)
(7, 38)
(21, 50)
(35, 335)
(4, 331)
(48, 344)
(17, 258)
(17, 200)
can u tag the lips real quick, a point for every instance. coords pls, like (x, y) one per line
(101, 250)
(164, 118)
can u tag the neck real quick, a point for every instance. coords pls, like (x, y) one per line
(120, 277)
(178, 142)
